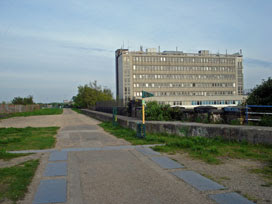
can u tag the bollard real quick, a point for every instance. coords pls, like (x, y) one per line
(140, 130)
(114, 116)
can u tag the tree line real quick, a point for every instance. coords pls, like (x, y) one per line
(91, 93)
(23, 101)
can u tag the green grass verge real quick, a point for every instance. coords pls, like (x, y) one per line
(26, 138)
(46, 111)
(210, 150)
(15, 180)
(76, 110)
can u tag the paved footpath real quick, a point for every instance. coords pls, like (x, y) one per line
(92, 166)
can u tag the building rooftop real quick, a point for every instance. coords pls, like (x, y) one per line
(153, 51)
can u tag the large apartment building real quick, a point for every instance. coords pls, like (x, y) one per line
(180, 79)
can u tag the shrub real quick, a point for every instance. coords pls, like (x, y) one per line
(266, 121)
(155, 111)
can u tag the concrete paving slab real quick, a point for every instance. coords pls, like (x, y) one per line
(117, 147)
(81, 149)
(80, 127)
(87, 139)
(196, 180)
(147, 151)
(51, 191)
(166, 163)
(90, 137)
(58, 156)
(125, 176)
(56, 169)
(230, 198)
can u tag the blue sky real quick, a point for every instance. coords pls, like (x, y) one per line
(50, 47)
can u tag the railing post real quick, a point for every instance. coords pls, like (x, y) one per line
(247, 114)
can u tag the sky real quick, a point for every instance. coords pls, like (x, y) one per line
(50, 47)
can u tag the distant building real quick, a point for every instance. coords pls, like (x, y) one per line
(66, 101)
(180, 79)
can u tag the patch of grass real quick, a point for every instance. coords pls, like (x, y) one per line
(46, 111)
(26, 138)
(250, 197)
(266, 171)
(225, 178)
(210, 150)
(15, 180)
(77, 110)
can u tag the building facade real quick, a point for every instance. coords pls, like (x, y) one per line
(180, 79)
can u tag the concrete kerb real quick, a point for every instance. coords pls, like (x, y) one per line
(251, 134)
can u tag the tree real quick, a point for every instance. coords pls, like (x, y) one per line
(91, 93)
(261, 94)
(23, 101)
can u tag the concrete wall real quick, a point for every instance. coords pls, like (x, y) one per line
(252, 134)
(11, 108)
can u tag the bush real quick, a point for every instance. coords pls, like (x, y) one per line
(266, 121)
(155, 111)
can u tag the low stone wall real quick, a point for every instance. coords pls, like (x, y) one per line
(251, 134)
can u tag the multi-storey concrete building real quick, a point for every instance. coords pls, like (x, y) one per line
(180, 79)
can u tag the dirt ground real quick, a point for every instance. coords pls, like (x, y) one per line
(234, 174)
(33, 121)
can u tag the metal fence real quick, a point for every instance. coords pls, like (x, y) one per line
(11, 108)
(113, 103)
(255, 113)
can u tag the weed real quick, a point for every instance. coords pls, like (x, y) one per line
(225, 178)
(250, 197)
(184, 131)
